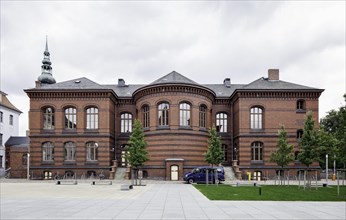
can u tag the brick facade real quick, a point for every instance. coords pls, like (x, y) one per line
(173, 144)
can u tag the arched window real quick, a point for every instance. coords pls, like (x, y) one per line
(126, 122)
(257, 151)
(92, 118)
(91, 151)
(184, 114)
(256, 118)
(163, 114)
(70, 118)
(48, 118)
(48, 151)
(70, 151)
(300, 105)
(221, 122)
(202, 116)
(146, 116)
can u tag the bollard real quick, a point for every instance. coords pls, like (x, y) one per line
(58, 183)
(254, 184)
(259, 190)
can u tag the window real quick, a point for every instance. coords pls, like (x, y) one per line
(301, 105)
(11, 119)
(146, 116)
(91, 151)
(70, 151)
(48, 118)
(184, 114)
(1, 161)
(48, 151)
(70, 118)
(257, 175)
(126, 122)
(1, 117)
(0, 139)
(92, 115)
(202, 116)
(221, 122)
(296, 153)
(163, 110)
(257, 151)
(299, 133)
(25, 159)
(47, 175)
(256, 118)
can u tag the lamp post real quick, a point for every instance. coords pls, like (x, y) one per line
(334, 163)
(327, 169)
(27, 168)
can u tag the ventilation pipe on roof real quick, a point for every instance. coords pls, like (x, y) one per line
(227, 82)
(121, 82)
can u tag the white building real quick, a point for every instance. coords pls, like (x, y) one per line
(9, 126)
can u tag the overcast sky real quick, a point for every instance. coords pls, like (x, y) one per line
(205, 41)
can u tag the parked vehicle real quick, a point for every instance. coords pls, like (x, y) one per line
(199, 174)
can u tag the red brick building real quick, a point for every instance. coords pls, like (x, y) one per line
(80, 127)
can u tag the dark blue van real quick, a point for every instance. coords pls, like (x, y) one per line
(198, 175)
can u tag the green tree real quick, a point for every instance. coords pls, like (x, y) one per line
(334, 124)
(137, 154)
(284, 152)
(215, 154)
(309, 143)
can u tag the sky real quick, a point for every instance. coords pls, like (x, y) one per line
(206, 41)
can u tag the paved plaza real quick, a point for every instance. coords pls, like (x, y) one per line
(156, 200)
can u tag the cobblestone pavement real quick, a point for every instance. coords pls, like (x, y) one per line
(22, 199)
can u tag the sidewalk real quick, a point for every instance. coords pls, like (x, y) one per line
(45, 200)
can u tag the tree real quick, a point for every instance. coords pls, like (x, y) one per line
(215, 154)
(309, 142)
(284, 152)
(334, 136)
(136, 146)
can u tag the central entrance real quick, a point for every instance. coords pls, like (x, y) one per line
(174, 169)
(174, 172)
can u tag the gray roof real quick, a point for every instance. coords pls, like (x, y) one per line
(80, 83)
(174, 78)
(266, 84)
(221, 91)
(17, 141)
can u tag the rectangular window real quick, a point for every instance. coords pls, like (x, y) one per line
(0, 139)
(92, 118)
(1, 117)
(11, 119)
(1, 161)
(70, 118)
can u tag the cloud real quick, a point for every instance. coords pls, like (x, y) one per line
(206, 41)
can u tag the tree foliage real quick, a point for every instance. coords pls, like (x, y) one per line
(215, 154)
(284, 152)
(136, 146)
(309, 142)
(333, 134)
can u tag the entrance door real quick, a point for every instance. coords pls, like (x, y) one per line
(174, 172)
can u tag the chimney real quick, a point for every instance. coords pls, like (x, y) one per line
(227, 82)
(273, 74)
(121, 82)
(37, 84)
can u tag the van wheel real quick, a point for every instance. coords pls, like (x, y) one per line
(191, 181)
(217, 181)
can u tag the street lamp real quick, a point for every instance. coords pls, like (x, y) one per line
(327, 169)
(27, 168)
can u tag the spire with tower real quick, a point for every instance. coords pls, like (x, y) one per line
(46, 74)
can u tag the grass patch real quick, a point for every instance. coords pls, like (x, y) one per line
(272, 193)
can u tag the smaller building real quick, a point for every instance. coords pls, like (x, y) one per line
(9, 126)
(17, 149)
